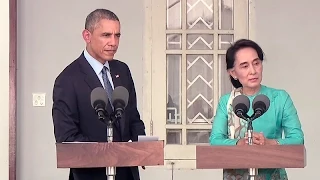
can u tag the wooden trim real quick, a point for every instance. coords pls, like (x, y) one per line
(147, 65)
(12, 88)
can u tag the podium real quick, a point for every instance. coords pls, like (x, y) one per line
(112, 154)
(245, 157)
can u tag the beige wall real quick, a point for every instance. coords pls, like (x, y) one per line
(288, 32)
(4, 90)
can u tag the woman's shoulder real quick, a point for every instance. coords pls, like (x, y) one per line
(275, 93)
(224, 98)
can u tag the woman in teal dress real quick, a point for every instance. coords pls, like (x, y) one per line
(244, 64)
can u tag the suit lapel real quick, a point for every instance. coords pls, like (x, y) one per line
(114, 71)
(116, 78)
(90, 76)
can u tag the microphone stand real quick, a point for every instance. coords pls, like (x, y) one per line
(253, 172)
(111, 171)
(113, 117)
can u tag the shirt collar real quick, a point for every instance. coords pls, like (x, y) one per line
(95, 64)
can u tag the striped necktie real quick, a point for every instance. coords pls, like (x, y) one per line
(107, 84)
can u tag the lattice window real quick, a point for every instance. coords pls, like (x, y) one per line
(187, 64)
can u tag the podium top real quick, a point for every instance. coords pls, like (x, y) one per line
(240, 157)
(114, 154)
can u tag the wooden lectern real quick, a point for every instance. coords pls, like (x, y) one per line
(243, 157)
(113, 154)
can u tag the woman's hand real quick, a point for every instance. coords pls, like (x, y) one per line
(242, 141)
(257, 139)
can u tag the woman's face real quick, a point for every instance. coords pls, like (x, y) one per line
(247, 68)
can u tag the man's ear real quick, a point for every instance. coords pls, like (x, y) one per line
(86, 36)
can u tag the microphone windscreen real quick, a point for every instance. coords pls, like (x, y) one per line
(98, 95)
(120, 94)
(241, 101)
(261, 99)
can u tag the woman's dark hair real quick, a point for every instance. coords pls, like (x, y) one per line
(231, 55)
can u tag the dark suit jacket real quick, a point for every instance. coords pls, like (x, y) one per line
(75, 120)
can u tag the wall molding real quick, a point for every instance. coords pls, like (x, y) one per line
(12, 88)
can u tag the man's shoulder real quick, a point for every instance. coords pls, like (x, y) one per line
(119, 63)
(71, 70)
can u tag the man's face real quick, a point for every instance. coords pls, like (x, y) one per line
(103, 41)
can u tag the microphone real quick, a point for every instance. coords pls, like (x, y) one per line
(240, 105)
(260, 105)
(99, 99)
(120, 96)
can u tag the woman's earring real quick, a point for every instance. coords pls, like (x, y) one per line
(235, 78)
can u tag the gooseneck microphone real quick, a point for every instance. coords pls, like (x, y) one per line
(241, 105)
(99, 101)
(120, 96)
(260, 105)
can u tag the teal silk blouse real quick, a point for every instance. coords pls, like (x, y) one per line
(280, 117)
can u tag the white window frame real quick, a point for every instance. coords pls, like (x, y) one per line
(154, 76)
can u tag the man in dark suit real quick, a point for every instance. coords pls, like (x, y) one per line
(73, 116)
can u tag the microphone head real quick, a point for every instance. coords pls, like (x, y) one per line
(98, 96)
(120, 96)
(261, 102)
(241, 104)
